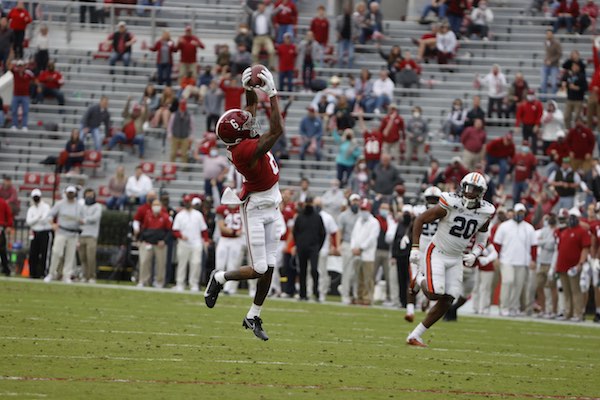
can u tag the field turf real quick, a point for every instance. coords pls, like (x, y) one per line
(84, 342)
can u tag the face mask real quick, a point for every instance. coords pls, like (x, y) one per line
(525, 149)
(362, 166)
(364, 215)
(214, 152)
(383, 213)
(90, 200)
(530, 98)
(354, 208)
(573, 221)
(156, 209)
(36, 199)
(70, 196)
(318, 208)
(416, 114)
(406, 217)
(552, 221)
(519, 217)
(456, 107)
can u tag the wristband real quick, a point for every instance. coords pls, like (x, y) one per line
(415, 245)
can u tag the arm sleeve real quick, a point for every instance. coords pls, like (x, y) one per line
(95, 217)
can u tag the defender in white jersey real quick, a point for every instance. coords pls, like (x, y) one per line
(461, 216)
(432, 197)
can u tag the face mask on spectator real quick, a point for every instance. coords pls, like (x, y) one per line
(214, 152)
(551, 221)
(90, 200)
(530, 97)
(525, 149)
(416, 114)
(519, 217)
(364, 215)
(362, 166)
(156, 209)
(383, 213)
(354, 208)
(70, 196)
(36, 199)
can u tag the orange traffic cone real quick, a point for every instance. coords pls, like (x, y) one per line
(25, 269)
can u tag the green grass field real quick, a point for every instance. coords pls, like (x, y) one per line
(69, 342)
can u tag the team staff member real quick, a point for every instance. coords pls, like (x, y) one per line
(228, 254)
(191, 231)
(364, 246)
(154, 232)
(6, 225)
(346, 221)
(37, 221)
(88, 240)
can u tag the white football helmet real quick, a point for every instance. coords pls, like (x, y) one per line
(472, 189)
(432, 196)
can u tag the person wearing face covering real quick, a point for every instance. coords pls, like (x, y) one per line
(401, 247)
(346, 221)
(417, 131)
(529, 118)
(69, 215)
(547, 248)
(154, 233)
(37, 220)
(524, 163)
(132, 131)
(573, 247)
(180, 130)
(364, 246)
(309, 234)
(516, 243)
(88, 240)
(333, 199)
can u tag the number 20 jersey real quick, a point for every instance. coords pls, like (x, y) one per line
(460, 224)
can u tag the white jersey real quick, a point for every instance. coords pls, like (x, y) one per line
(455, 230)
(428, 229)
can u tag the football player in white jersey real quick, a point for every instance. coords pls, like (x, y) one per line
(432, 197)
(461, 216)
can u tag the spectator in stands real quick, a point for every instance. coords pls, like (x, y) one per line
(524, 163)
(359, 16)
(301, 195)
(213, 105)
(311, 131)
(285, 18)
(516, 243)
(473, 139)
(456, 13)
(121, 41)
(150, 99)
(75, 152)
(240, 60)
(83, 9)
(499, 152)
(188, 46)
(573, 248)
(476, 112)
(348, 153)
(360, 179)
(481, 18)
(551, 61)
(168, 105)
(263, 31)
(438, 7)
(551, 124)
(243, 36)
(138, 186)
(187, 86)
(372, 24)
(22, 79)
(9, 193)
(181, 130)
(333, 199)
(445, 43)
(223, 57)
(154, 233)
(95, 116)
(517, 92)
(593, 104)
(232, 91)
(164, 48)
(529, 118)
(363, 88)
(19, 19)
(132, 131)
(49, 83)
(385, 176)
(454, 172)
(558, 150)
(408, 72)
(319, 26)
(566, 14)
(310, 55)
(88, 239)
(433, 176)
(41, 42)
(565, 181)
(455, 121)
(6, 41)
(392, 59)
(373, 144)
(215, 171)
(348, 29)
(364, 246)
(427, 44)
(581, 142)
(575, 84)
(588, 14)
(392, 132)
(497, 89)
(39, 223)
(69, 217)
(574, 58)
(287, 60)
(417, 132)
(383, 92)
(202, 84)
(343, 114)
(116, 188)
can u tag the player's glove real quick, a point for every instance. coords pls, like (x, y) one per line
(246, 75)
(469, 259)
(269, 83)
(415, 255)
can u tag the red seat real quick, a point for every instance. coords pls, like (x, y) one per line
(168, 173)
(104, 50)
(49, 181)
(92, 159)
(103, 194)
(148, 168)
(31, 180)
(296, 144)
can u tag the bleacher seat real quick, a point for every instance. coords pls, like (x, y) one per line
(103, 194)
(168, 172)
(92, 160)
(148, 168)
(31, 180)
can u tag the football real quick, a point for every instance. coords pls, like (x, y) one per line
(255, 81)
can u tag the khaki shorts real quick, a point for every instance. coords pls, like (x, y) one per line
(542, 277)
